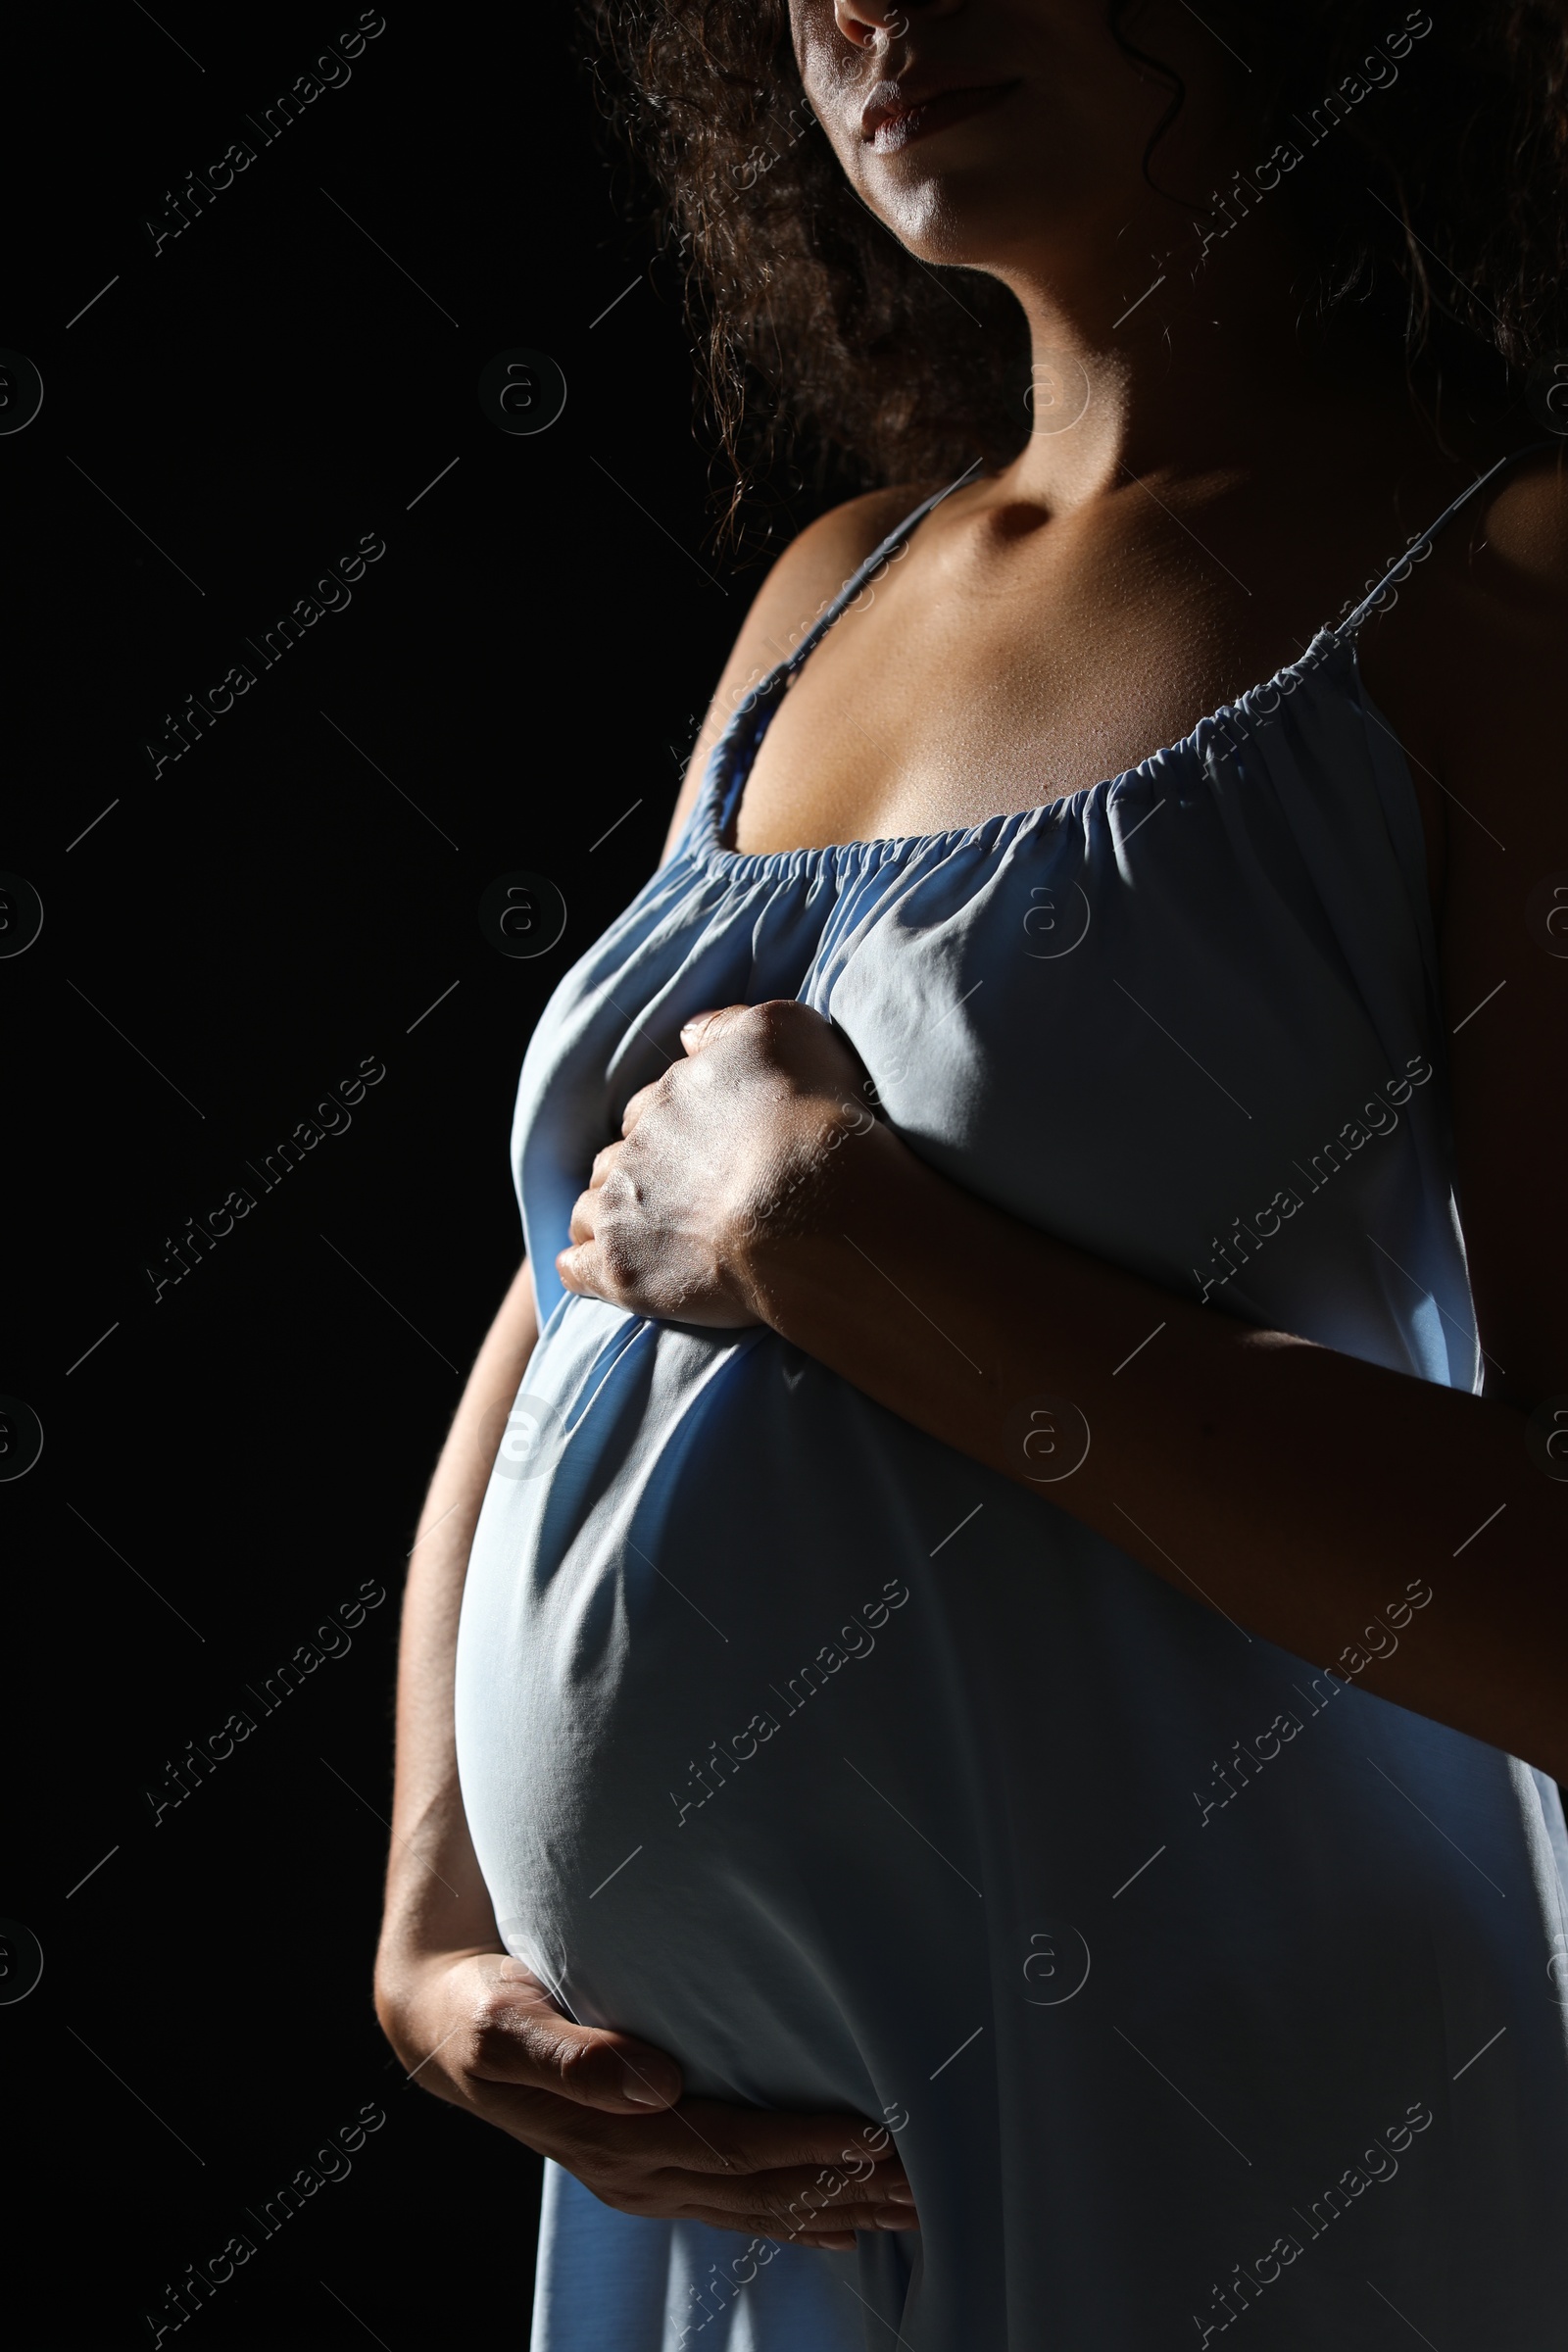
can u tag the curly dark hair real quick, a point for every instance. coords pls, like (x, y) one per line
(1434, 221)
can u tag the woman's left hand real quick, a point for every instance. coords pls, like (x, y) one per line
(737, 1139)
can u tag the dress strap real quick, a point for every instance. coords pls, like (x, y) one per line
(865, 571)
(736, 749)
(1419, 545)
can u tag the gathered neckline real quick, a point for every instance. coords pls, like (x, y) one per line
(726, 781)
(723, 788)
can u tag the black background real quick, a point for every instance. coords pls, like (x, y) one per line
(223, 943)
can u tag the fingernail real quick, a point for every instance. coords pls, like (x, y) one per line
(648, 2085)
(895, 2217)
(899, 2192)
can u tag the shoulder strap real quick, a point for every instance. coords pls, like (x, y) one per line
(733, 754)
(865, 571)
(1423, 539)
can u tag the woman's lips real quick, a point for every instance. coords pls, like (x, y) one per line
(899, 129)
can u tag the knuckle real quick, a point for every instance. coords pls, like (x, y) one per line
(772, 1021)
(619, 1189)
(616, 1259)
(633, 2196)
(502, 2038)
(731, 2159)
(625, 2177)
(490, 2044)
(582, 2143)
(485, 2018)
(575, 2065)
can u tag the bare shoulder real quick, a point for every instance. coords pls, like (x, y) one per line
(1502, 643)
(794, 594)
(1525, 531)
(1475, 656)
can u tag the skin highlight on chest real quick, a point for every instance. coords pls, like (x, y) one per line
(1002, 660)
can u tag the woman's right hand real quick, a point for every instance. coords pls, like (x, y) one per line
(479, 2029)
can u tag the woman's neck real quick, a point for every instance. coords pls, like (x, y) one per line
(1194, 374)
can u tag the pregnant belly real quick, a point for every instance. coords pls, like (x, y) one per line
(716, 1741)
(860, 1779)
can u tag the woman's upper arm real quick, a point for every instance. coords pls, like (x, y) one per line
(808, 576)
(1504, 959)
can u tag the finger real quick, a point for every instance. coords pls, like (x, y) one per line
(796, 2222)
(665, 2156)
(816, 2215)
(850, 2180)
(823, 2229)
(603, 1161)
(699, 2152)
(780, 2142)
(521, 2037)
(704, 1029)
(804, 2196)
(639, 1102)
(642, 2161)
(575, 1268)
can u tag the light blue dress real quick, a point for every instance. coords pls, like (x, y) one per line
(1191, 1979)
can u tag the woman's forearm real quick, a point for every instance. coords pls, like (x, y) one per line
(1296, 1490)
(435, 1895)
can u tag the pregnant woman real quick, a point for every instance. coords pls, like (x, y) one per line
(995, 1787)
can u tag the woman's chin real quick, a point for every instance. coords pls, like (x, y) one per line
(973, 217)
